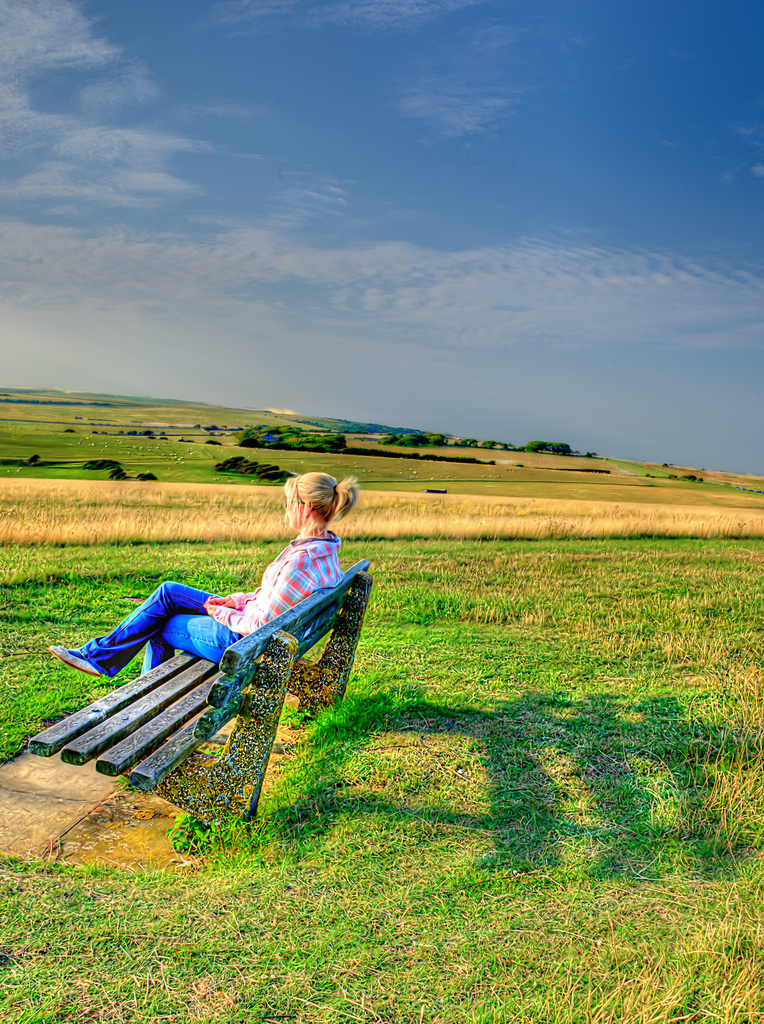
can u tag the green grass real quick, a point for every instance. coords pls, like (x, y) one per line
(65, 455)
(508, 817)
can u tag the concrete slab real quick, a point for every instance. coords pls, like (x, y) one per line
(128, 830)
(40, 797)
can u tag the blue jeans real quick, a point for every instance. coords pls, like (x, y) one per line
(172, 619)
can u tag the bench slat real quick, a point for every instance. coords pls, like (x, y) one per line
(114, 729)
(297, 621)
(214, 719)
(138, 745)
(157, 766)
(51, 740)
(225, 688)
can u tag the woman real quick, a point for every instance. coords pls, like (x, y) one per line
(177, 617)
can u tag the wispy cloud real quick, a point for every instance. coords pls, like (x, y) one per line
(543, 293)
(464, 90)
(78, 153)
(306, 200)
(379, 15)
(131, 84)
(370, 15)
(37, 35)
(451, 106)
(222, 110)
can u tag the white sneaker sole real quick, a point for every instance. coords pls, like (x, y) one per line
(72, 660)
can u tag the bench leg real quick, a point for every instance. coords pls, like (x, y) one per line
(319, 684)
(212, 786)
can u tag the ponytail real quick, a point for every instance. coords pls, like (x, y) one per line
(346, 496)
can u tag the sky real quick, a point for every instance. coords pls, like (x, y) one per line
(508, 220)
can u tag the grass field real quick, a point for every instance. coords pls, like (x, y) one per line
(539, 802)
(96, 512)
(76, 429)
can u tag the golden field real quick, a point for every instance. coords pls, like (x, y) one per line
(97, 512)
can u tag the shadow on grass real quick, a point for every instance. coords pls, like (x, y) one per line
(597, 786)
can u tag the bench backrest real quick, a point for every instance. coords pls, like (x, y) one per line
(308, 622)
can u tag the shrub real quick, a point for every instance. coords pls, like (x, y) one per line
(290, 439)
(230, 465)
(263, 471)
(102, 464)
(417, 440)
(555, 447)
(145, 476)
(424, 456)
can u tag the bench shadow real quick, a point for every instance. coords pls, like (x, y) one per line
(603, 784)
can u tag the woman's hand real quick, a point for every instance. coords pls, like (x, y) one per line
(219, 602)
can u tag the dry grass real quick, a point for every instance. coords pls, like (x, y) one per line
(734, 805)
(83, 512)
(646, 986)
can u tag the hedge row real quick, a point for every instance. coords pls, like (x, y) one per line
(424, 456)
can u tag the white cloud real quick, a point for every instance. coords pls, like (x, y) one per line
(372, 15)
(463, 91)
(77, 154)
(37, 35)
(307, 199)
(256, 12)
(222, 110)
(451, 107)
(534, 292)
(758, 170)
(386, 14)
(133, 84)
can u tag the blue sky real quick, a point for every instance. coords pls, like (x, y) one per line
(508, 220)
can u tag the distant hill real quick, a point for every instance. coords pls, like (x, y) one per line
(353, 426)
(58, 396)
(97, 400)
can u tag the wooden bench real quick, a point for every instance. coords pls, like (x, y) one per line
(150, 728)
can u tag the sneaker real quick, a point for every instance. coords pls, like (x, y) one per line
(70, 658)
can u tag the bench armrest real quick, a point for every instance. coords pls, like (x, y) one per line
(298, 621)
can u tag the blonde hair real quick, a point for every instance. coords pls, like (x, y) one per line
(330, 499)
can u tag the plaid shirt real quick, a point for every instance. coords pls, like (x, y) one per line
(305, 565)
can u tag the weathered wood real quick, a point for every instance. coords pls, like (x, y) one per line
(95, 741)
(50, 741)
(227, 688)
(215, 718)
(296, 621)
(317, 628)
(157, 766)
(138, 745)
